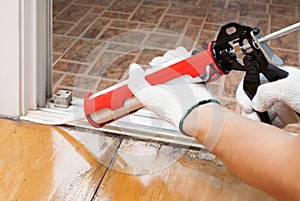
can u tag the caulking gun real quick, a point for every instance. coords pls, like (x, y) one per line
(219, 59)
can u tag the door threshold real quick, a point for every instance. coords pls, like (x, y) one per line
(143, 124)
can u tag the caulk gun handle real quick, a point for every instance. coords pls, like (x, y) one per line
(252, 82)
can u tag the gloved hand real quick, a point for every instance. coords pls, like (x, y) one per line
(280, 98)
(171, 57)
(172, 102)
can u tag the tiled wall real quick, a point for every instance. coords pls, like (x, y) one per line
(87, 56)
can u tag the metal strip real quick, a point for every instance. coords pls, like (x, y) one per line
(44, 46)
(146, 126)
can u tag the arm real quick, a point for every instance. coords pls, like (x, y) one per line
(261, 155)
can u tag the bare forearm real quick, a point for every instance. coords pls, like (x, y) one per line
(262, 155)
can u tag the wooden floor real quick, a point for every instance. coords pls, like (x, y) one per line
(39, 162)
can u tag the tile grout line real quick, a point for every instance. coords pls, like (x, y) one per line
(134, 11)
(201, 28)
(57, 83)
(64, 9)
(148, 33)
(80, 36)
(184, 32)
(80, 20)
(95, 60)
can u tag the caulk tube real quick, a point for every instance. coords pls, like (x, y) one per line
(117, 101)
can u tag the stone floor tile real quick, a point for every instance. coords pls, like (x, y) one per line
(124, 5)
(81, 50)
(61, 43)
(174, 23)
(82, 25)
(70, 67)
(61, 27)
(73, 13)
(148, 14)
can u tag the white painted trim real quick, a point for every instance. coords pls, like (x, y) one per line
(28, 64)
(24, 55)
(36, 61)
(10, 58)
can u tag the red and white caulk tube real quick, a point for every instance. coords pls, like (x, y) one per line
(117, 101)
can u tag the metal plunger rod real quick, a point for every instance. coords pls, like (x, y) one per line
(276, 34)
(280, 32)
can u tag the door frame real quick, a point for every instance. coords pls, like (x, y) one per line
(25, 80)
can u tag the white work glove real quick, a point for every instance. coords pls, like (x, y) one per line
(280, 98)
(172, 102)
(170, 57)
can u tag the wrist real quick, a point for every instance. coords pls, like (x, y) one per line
(198, 122)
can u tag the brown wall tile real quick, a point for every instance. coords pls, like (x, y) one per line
(221, 16)
(187, 10)
(246, 5)
(110, 33)
(96, 28)
(232, 81)
(61, 27)
(124, 5)
(70, 67)
(193, 2)
(55, 56)
(192, 32)
(212, 27)
(206, 37)
(148, 14)
(79, 82)
(115, 15)
(97, 10)
(61, 43)
(95, 2)
(73, 13)
(162, 41)
(288, 57)
(262, 24)
(59, 5)
(289, 41)
(112, 65)
(103, 84)
(124, 24)
(81, 50)
(56, 76)
(283, 10)
(155, 3)
(174, 23)
(105, 60)
(79, 28)
(197, 21)
(118, 67)
(280, 22)
(116, 18)
(130, 37)
(123, 47)
(263, 1)
(147, 55)
(285, 2)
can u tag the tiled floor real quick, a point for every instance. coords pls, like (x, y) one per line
(94, 41)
